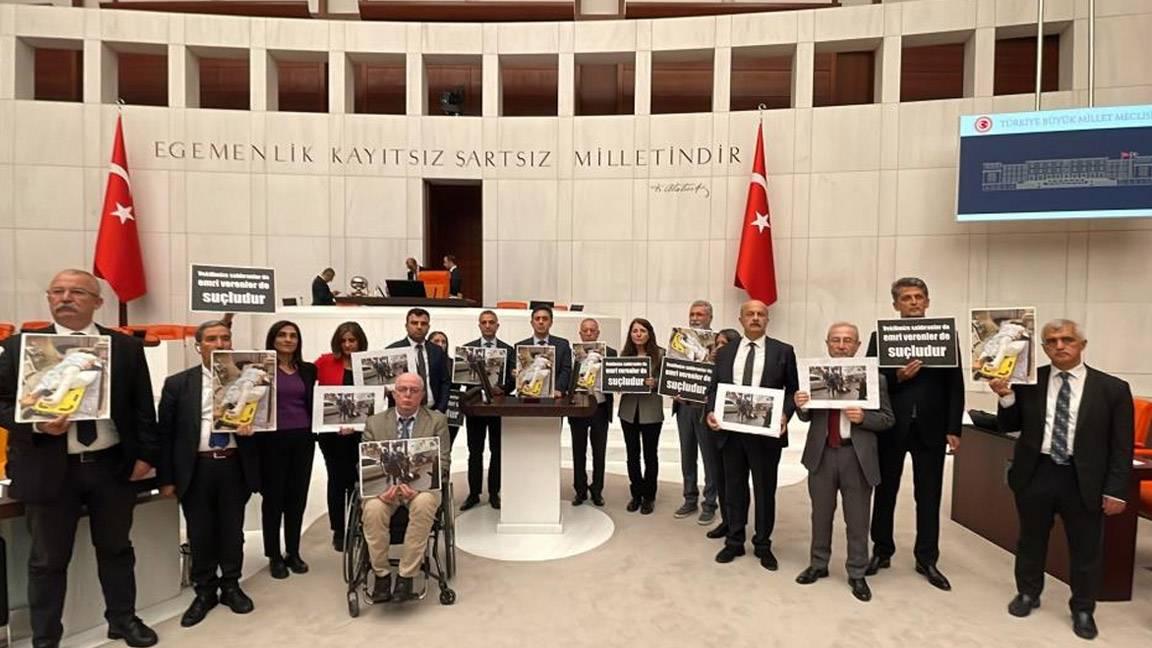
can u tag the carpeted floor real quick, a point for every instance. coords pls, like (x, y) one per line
(655, 584)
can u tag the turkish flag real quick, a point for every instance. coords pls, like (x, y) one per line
(755, 267)
(118, 259)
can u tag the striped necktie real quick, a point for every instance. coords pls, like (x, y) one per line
(1059, 449)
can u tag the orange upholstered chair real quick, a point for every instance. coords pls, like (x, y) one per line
(559, 307)
(511, 304)
(1143, 427)
(165, 331)
(31, 325)
(6, 330)
(435, 283)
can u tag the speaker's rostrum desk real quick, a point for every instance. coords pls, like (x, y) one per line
(530, 458)
(983, 503)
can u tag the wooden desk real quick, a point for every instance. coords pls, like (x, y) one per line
(346, 300)
(983, 503)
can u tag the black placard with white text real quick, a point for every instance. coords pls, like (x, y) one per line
(627, 375)
(929, 340)
(454, 415)
(232, 289)
(686, 379)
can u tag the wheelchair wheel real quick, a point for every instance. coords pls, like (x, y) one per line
(354, 545)
(450, 536)
(447, 597)
(353, 604)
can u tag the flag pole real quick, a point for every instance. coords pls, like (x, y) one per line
(123, 306)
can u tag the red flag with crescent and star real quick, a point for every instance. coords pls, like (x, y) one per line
(118, 260)
(756, 267)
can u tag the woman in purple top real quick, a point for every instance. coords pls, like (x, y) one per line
(286, 453)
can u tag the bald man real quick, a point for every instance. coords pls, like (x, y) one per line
(60, 466)
(764, 362)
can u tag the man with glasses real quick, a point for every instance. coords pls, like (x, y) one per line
(1073, 459)
(60, 467)
(694, 434)
(407, 420)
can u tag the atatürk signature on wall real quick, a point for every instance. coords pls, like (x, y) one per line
(694, 188)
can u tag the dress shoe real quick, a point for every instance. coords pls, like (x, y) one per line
(469, 502)
(860, 589)
(686, 509)
(403, 590)
(706, 517)
(1023, 604)
(578, 500)
(633, 505)
(811, 575)
(296, 564)
(934, 576)
(767, 560)
(278, 568)
(45, 643)
(646, 507)
(133, 632)
(597, 499)
(1084, 625)
(729, 553)
(718, 532)
(236, 600)
(338, 542)
(494, 500)
(876, 564)
(199, 609)
(382, 589)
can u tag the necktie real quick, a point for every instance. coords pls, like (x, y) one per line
(1059, 449)
(834, 429)
(85, 430)
(749, 363)
(406, 427)
(421, 368)
(488, 344)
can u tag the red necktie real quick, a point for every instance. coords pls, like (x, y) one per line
(833, 428)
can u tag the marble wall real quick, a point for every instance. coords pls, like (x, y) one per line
(859, 194)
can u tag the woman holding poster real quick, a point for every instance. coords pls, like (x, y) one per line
(642, 416)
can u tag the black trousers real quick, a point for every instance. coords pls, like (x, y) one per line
(214, 510)
(342, 460)
(642, 438)
(285, 473)
(746, 454)
(1055, 490)
(928, 485)
(594, 428)
(110, 498)
(478, 428)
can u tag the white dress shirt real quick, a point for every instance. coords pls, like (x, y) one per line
(1076, 383)
(206, 413)
(106, 434)
(424, 352)
(742, 359)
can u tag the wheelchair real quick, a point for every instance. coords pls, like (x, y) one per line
(441, 543)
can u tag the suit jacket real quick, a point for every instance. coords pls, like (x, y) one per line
(934, 400)
(643, 408)
(454, 281)
(382, 427)
(508, 380)
(321, 293)
(38, 463)
(863, 436)
(779, 372)
(1102, 448)
(563, 360)
(179, 428)
(439, 375)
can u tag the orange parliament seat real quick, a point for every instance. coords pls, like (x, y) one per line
(1143, 428)
(511, 304)
(559, 307)
(32, 325)
(6, 330)
(435, 283)
(165, 331)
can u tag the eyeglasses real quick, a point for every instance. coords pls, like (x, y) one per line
(1057, 341)
(408, 390)
(841, 340)
(70, 292)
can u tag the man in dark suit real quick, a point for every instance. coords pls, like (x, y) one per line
(840, 455)
(431, 360)
(1073, 458)
(596, 427)
(59, 466)
(762, 361)
(479, 427)
(928, 404)
(454, 279)
(322, 295)
(541, 325)
(213, 474)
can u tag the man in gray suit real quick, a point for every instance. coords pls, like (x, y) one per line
(840, 455)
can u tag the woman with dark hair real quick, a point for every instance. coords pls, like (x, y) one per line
(440, 339)
(642, 416)
(341, 450)
(286, 453)
(725, 336)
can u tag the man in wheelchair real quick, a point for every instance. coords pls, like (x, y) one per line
(408, 419)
